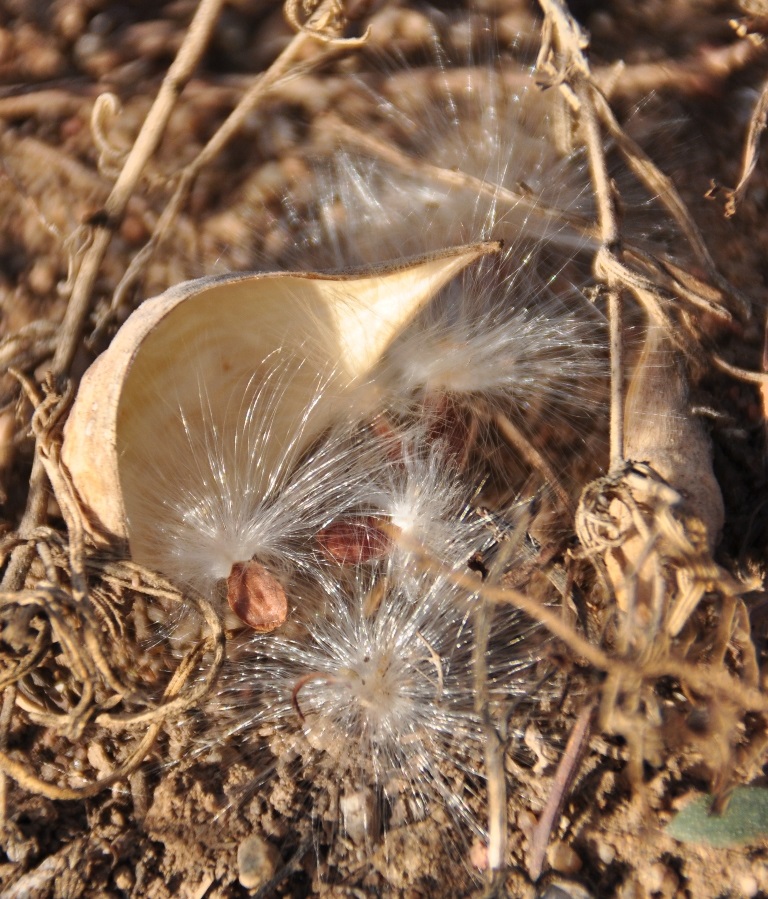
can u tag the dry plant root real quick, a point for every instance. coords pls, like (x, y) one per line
(59, 622)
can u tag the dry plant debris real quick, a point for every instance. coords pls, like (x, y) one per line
(143, 146)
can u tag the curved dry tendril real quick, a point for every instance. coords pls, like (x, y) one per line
(302, 682)
(324, 21)
(30, 781)
(32, 657)
(73, 626)
(213, 642)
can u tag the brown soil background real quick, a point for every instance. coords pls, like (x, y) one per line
(691, 83)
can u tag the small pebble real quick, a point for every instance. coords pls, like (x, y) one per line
(70, 20)
(605, 852)
(42, 277)
(257, 861)
(562, 858)
(661, 879)
(124, 878)
(747, 885)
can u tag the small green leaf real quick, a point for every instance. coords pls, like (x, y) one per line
(745, 819)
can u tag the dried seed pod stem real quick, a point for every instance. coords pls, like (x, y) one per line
(661, 430)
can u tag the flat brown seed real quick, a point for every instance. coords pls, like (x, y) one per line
(354, 541)
(256, 597)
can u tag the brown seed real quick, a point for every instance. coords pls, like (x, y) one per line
(256, 597)
(351, 542)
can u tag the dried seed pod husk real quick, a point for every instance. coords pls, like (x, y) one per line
(211, 338)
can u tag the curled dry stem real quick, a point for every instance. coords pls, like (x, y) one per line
(757, 124)
(305, 17)
(33, 656)
(67, 617)
(10, 766)
(657, 558)
(105, 107)
(76, 641)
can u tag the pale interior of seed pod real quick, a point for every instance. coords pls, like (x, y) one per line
(307, 339)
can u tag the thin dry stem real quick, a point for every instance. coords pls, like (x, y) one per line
(75, 625)
(98, 239)
(562, 782)
(518, 441)
(6, 715)
(493, 746)
(147, 141)
(571, 41)
(741, 374)
(757, 124)
(696, 74)
(325, 20)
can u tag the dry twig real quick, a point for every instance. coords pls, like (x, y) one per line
(97, 238)
(324, 26)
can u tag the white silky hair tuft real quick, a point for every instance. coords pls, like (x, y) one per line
(429, 507)
(226, 507)
(475, 159)
(383, 696)
(500, 334)
(476, 150)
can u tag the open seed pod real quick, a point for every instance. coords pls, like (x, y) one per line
(183, 361)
